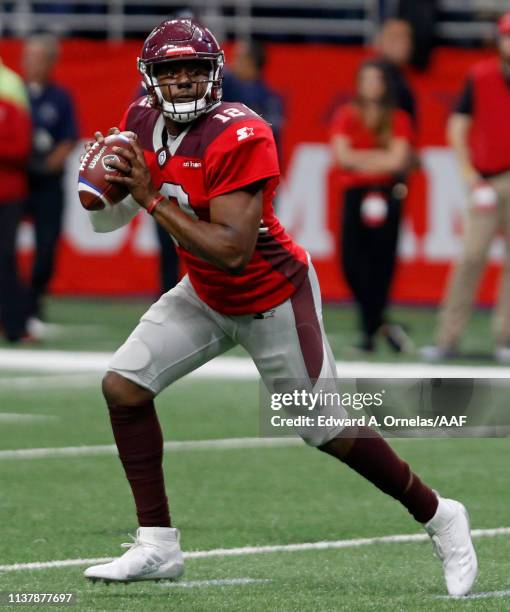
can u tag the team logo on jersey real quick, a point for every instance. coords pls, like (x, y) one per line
(162, 158)
(190, 163)
(244, 132)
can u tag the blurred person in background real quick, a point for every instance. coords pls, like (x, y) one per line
(372, 146)
(15, 136)
(54, 138)
(422, 16)
(394, 47)
(245, 83)
(479, 133)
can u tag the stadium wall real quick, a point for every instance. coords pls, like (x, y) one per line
(313, 80)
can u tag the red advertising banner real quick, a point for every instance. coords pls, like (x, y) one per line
(314, 80)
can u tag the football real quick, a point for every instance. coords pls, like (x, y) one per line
(94, 190)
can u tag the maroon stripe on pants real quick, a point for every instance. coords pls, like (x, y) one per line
(281, 259)
(308, 329)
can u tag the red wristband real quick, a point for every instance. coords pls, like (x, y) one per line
(151, 207)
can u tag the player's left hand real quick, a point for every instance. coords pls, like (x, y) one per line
(135, 173)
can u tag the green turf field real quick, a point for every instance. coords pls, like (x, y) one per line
(78, 507)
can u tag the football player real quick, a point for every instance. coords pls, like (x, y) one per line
(207, 171)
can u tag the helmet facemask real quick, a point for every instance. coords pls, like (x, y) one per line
(184, 112)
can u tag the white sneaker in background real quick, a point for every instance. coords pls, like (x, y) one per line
(451, 538)
(155, 554)
(36, 328)
(434, 353)
(39, 330)
(502, 354)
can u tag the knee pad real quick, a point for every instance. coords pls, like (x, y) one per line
(133, 355)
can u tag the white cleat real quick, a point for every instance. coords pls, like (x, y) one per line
(502, 354)
(155, 554)
(435, 353)
(451, 538)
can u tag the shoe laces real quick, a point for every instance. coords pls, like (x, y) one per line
(448, 538)
(131, 545)
(436, 545)
(137, 542)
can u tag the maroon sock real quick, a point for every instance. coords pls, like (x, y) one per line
(139, 440)
(374, 459)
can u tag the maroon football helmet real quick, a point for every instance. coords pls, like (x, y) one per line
(181, 39)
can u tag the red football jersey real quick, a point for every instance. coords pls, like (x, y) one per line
(222, 151)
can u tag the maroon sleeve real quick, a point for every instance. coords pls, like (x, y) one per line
(141, 119)
(241, 155)
(15, 133)
(125, 121)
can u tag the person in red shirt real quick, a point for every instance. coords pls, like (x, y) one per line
(479, 133)
(207, 171)
(15, 146)
(371, 145)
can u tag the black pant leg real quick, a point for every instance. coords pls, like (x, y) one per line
(355, 256)
(381, 244)
(383, 247)
(46, 205)
(169, 261)
(368, 257)
(12, 297)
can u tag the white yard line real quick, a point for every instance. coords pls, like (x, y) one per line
(20, 417)
(45, 381)
(186, 445)
(240, 367)
(483, 595)
(190, 584)
(53, 361)
(255, 550)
